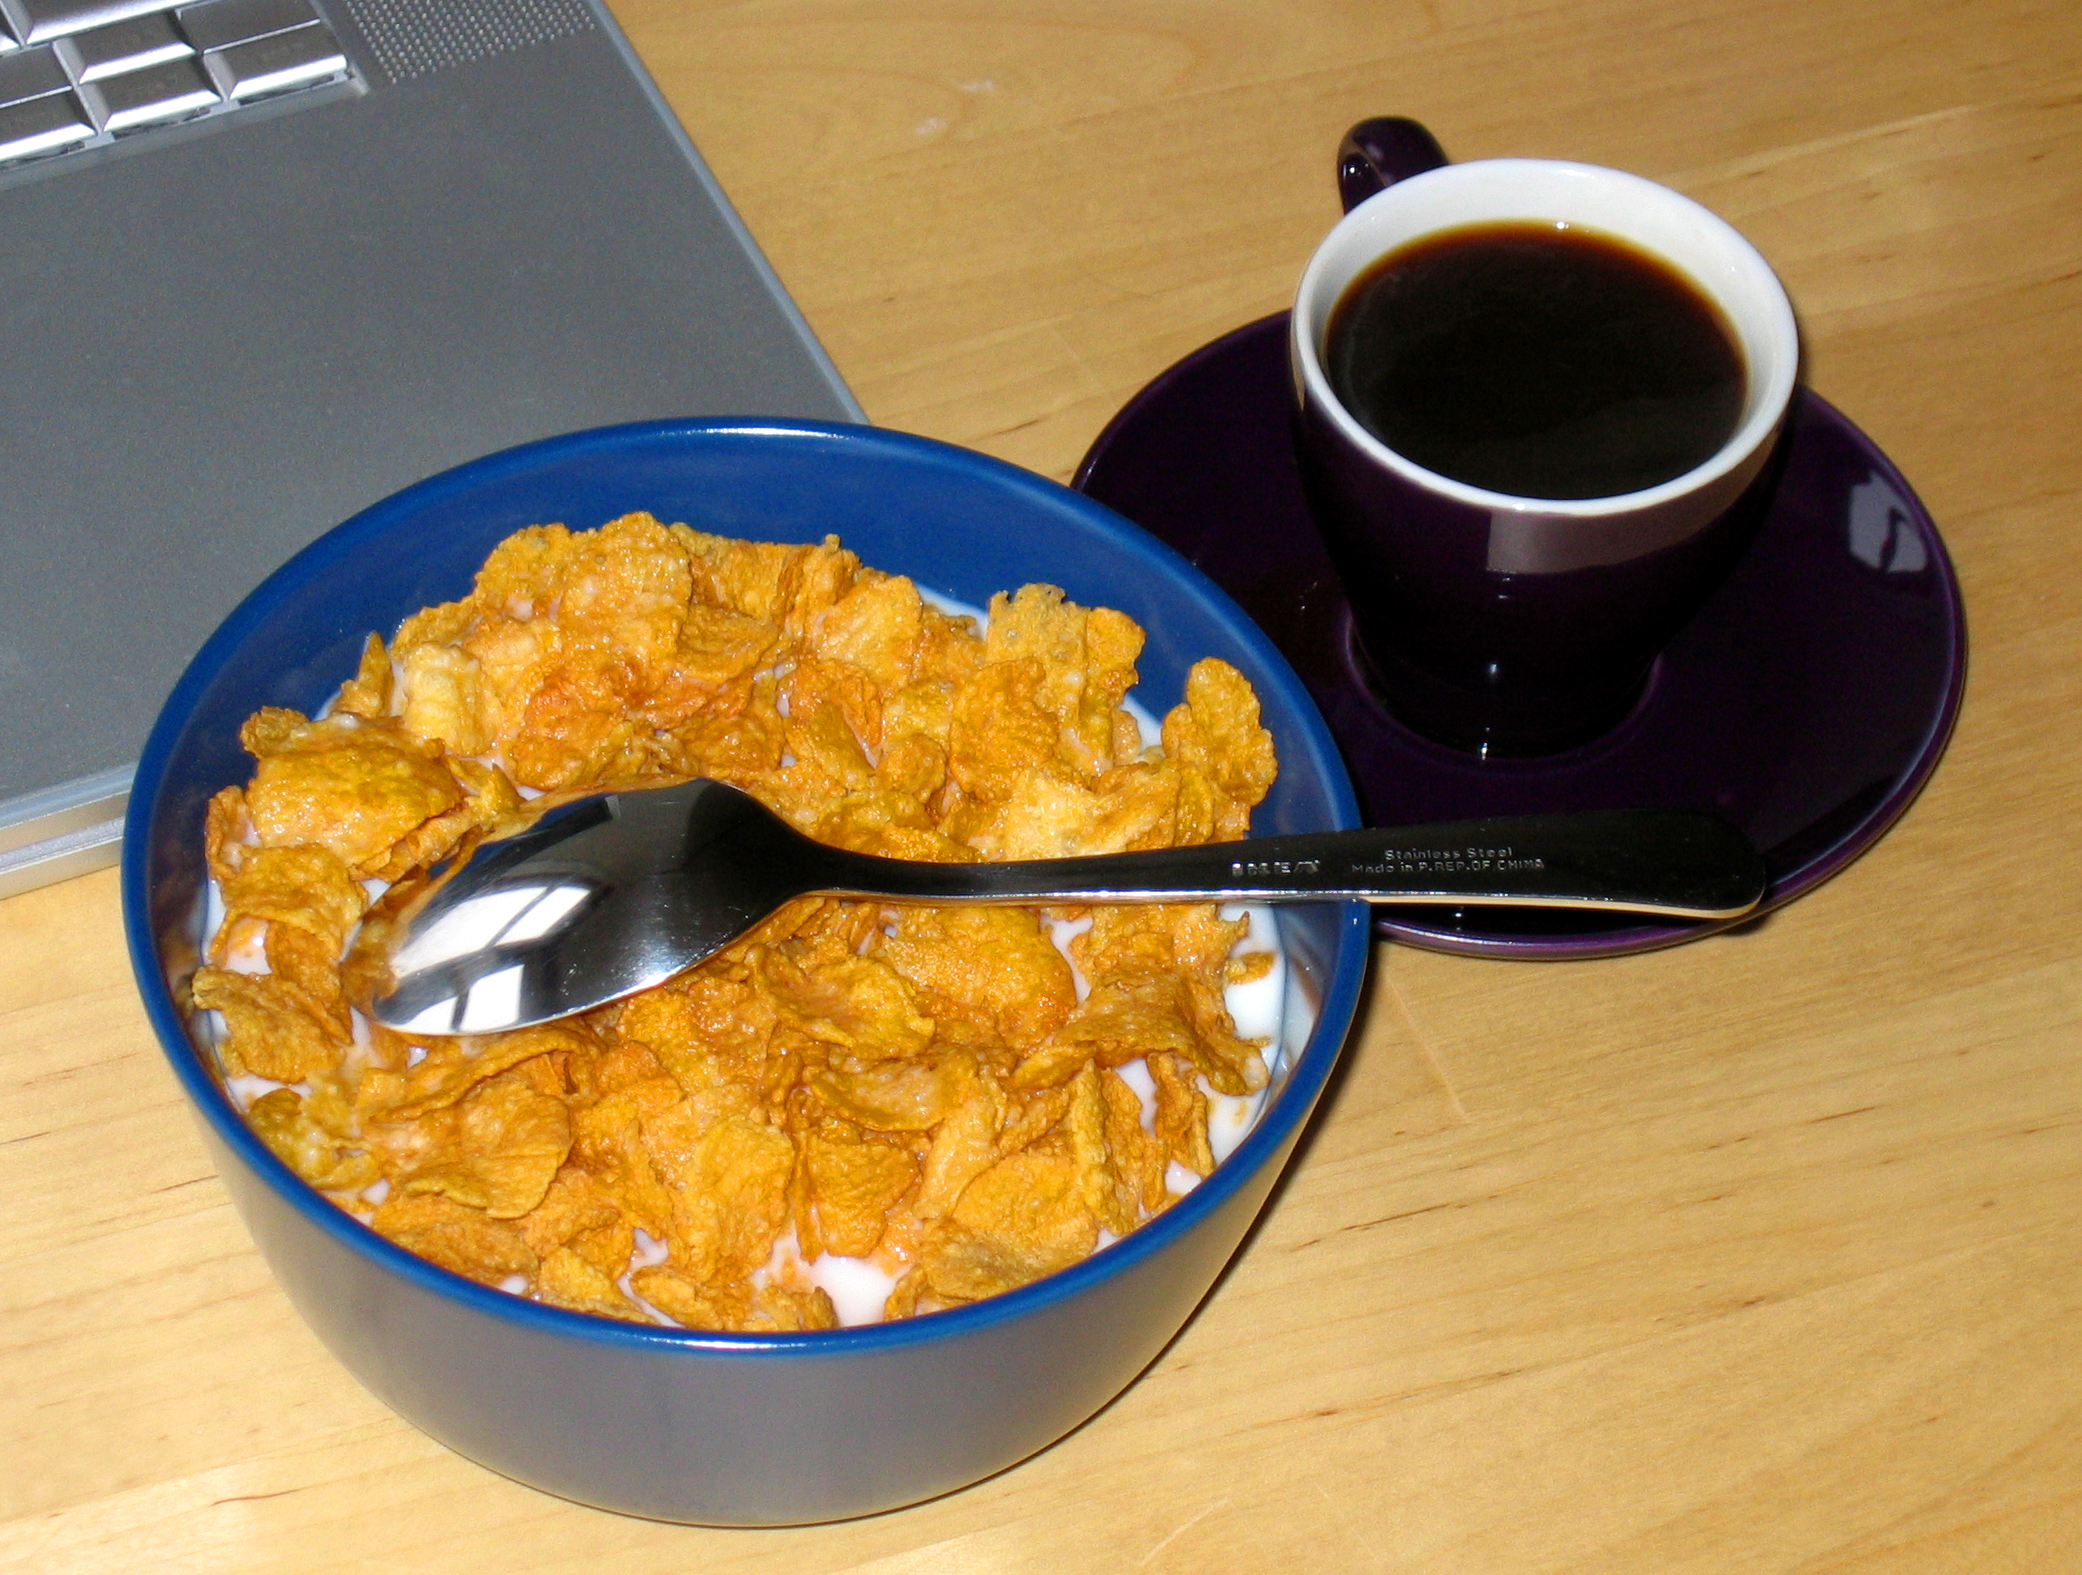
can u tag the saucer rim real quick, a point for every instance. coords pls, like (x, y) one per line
(1822, 865)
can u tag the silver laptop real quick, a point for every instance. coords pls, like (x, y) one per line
(263, 262)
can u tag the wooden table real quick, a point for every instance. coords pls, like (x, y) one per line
(1763, 1254)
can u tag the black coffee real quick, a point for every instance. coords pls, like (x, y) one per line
(1534, 360)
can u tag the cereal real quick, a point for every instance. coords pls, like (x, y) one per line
(953, 1101)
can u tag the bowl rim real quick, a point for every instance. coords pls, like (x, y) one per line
(1280, 1120)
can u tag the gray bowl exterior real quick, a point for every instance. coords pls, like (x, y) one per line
(682, 1425)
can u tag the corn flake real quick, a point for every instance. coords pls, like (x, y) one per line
(852, 1186)
(457, 1237)
(352, 787)
(1024, 1217)
(497, 1149)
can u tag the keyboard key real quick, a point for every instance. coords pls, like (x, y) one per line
(124, 46)
(38, 21)
(277, 63)
(150, 97)
(218, 24)
(42, 125)
(30, 73)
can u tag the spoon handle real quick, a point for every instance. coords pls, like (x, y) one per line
(1673, 863)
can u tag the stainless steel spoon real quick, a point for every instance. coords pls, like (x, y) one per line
(612, 894)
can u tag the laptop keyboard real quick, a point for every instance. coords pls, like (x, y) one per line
(78, 74)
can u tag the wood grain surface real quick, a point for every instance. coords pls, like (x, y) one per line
(1763, 1254)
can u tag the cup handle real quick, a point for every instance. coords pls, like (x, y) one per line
(1377, 153)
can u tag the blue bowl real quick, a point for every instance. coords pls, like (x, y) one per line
(728, 1429)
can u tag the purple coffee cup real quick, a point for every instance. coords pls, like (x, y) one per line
(1514, 626)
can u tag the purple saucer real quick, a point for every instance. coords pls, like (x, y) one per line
(1807, 702)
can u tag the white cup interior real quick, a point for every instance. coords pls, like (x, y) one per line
(1703, 246)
